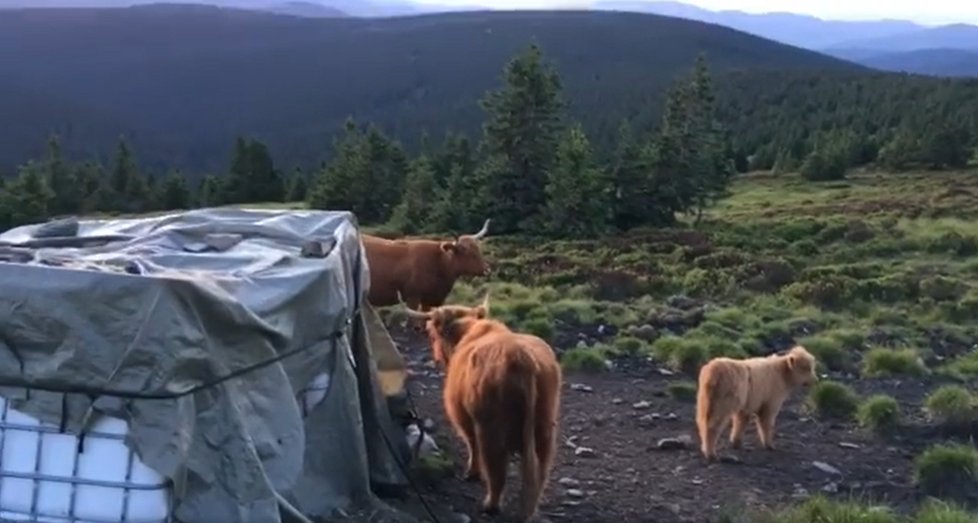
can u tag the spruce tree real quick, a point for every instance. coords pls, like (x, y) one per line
(62, 181)
(413, 213)
(522, 130)
(578, 192)
(173, 192)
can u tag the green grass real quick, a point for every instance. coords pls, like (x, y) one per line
(946, 469)
(879, 413)
(822, 510)
(830, 399)
(892, 362)
(952, 404)
(870, 274)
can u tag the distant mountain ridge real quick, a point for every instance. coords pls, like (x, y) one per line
(889, 45)
(194, 77)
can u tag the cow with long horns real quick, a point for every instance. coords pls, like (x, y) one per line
(501, 395)
(422, 271)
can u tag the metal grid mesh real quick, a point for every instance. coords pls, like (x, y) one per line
(16, 476)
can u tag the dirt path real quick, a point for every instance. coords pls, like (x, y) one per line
(620, 475)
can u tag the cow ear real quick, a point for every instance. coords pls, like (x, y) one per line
(481, 312)
(791, 361)
(448, 246)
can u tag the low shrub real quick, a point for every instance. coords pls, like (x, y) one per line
(879, 413)
(951, 404)
(682, 390)
(947, 469)
(681, 354)
(585, 359)
(828, 351)
(831, 399)
(892, 362)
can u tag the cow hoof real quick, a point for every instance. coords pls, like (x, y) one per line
(490, 510)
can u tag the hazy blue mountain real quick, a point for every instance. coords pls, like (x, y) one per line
(304, 8)
(934, 62)
(954, 36)
(799, 30)
(193, 77)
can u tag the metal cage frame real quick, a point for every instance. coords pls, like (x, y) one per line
(35, 514)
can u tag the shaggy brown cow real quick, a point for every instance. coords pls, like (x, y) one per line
(734, 390)
(501, 395)
(422, 271)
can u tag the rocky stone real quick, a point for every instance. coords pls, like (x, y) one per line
(617, 401)
(682, 442)
(581, 387)
(847, 445)
(826, 468)
(567, 482)
(575, 493)
(584, 452)
(641, 405)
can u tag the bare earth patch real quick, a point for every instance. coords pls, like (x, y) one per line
(610, 468)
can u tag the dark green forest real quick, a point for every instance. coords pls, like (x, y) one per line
(181, 82)
(534, 167)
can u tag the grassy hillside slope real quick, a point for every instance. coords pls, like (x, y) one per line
(196, 76)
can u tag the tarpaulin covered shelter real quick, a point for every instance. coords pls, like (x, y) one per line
(236, 345)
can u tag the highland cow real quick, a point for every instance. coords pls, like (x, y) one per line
(733, 391)
(501, 395)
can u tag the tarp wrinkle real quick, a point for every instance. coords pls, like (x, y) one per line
(169, 302)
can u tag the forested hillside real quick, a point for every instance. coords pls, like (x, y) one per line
(188, 79)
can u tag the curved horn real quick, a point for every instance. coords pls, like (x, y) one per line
(482, 232)
(408, 310)
(485, 302)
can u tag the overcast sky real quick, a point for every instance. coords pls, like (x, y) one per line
(922, 11)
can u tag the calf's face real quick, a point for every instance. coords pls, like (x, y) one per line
(801, 365)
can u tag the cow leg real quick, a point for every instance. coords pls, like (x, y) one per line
(739, 421)
(493, 462)
(466, 430)
(765, 425)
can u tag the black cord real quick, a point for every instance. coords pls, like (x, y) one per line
(90, 391)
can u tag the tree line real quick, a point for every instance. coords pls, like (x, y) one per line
(533, 169)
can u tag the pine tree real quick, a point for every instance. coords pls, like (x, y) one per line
(173, 192)
(452, 209)
(631, 180)
(343, 183)
(411, 215)
(29, 196)
(578, 193)
(124, 169)
(523, 130)
(252, 177)
(211, 191)
(297, 187)
(62, 181)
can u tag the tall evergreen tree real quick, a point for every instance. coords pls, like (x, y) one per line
(523, 130)
(252, 176)
(411, 215)
(631, 181)
(578, 193)
(62, 181)
(173, 192)
(296, 191)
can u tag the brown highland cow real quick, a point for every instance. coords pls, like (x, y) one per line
(501, 395)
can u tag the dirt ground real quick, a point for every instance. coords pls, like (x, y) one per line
(609, 467)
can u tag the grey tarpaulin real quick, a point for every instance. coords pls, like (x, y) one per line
(162, 304)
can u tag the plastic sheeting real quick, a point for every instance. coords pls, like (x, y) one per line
(165, 304)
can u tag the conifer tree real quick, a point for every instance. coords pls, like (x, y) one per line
(412, 215)
(522, 131)
(578, 193)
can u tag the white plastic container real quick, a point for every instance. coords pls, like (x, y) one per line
(44, 478)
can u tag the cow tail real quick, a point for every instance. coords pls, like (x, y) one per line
(704, 403)
(532, 473)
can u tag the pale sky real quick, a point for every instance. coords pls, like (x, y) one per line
(921, 11)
